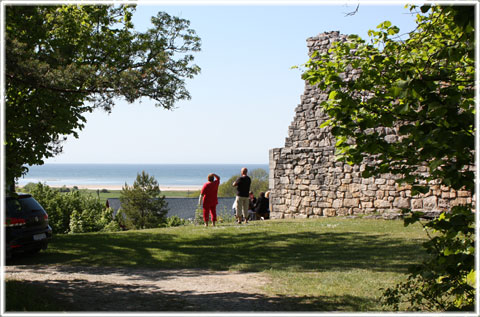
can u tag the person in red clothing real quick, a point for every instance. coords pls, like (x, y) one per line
(210, 200)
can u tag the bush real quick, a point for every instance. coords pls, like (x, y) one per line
(71, 211)
(446, 279)
(198, 220)
(175, 221)
(225, 215)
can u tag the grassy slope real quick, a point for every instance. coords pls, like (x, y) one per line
(317, 265)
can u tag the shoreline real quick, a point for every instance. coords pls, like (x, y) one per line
(182, 188)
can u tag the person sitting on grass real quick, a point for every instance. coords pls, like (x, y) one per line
(261, 207)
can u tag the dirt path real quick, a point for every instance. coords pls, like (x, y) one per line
(113, 289)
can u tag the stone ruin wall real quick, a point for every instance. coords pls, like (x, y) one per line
(307, 182)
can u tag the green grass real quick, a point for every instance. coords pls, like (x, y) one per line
(116, 194)
(28, 296)
(327, 264)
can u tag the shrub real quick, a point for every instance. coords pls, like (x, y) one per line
(71, 211)
(175, 221)
(446, 279)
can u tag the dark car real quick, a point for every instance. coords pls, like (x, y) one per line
(26, 225)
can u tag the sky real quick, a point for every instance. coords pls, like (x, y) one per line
(244, 99)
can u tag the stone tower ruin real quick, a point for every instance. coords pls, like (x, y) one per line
(307, 182)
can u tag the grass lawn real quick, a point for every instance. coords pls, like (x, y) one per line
(329, 264)
(116, 194)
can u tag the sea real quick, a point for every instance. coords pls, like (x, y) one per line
(191, 175)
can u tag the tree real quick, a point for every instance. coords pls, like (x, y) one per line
(259, 183)
(142, 204)
(424, 88)
(65, 61)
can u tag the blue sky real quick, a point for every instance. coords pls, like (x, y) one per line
(243, 100)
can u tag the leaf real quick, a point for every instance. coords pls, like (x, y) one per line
(471, 278)
(326, 124)
(332, 95)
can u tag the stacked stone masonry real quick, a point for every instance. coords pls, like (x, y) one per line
(307, 182)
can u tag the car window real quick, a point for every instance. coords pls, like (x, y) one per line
(30, 204)
(13, 207)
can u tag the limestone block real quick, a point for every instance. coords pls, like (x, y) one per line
(342, 211)
(318, 211)
(355, 202)
(324, 204)
(461, 201)
(463, 193)
(445, 195)
(417, 203)
(378, 203)
(366, 204)
(430, 203)
(347, 168)
(354, 187)
(443, 204)
(337, 203)
(401, 202)
(329, 212)
(276, 215)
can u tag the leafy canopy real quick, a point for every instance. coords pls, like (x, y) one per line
(65, 61)
(424, 89)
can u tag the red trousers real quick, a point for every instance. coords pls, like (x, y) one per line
(210, 210)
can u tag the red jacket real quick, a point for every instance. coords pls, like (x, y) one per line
(209, 192)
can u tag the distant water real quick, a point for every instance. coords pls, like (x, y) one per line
(119, 174)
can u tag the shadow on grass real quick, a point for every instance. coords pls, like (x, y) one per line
(245, 251)
(87, 296)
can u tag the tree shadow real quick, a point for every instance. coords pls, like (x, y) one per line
(246, 251)
(86, 296)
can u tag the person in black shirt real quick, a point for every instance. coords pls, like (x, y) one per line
(243, 188)
(262, 206)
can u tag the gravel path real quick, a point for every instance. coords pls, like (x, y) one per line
(125, 289)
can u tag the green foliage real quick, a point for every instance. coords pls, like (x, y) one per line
(446, 279)
(142, 204)
(424, 89)
(198, 220)
(259, 184)
(226, 189)
(72, 212)
(65, 61)
(175, 221)
(225, 215)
